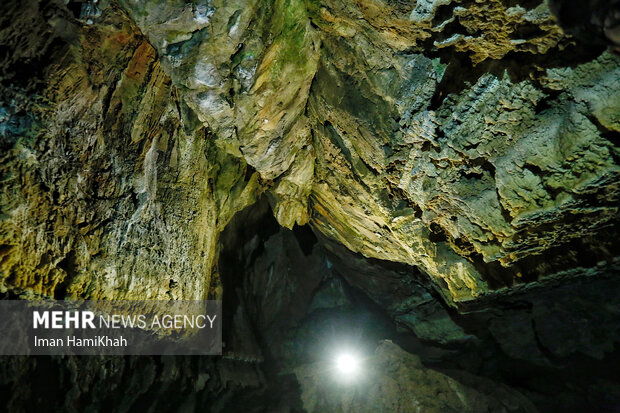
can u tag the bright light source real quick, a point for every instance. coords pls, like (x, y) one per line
(347, 364)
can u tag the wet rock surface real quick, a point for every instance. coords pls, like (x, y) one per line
(456, 163)
(399, 382)
(378, 138)
(103, 181)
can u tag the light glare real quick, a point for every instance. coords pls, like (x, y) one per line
(347, 363)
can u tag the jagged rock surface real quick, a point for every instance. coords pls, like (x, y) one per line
(376, 137)
(106, 193)
(355, 120)
(457, 160)
(400, 383)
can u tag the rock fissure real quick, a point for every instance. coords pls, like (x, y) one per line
(444, 173)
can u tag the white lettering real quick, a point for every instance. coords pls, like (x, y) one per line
(57, 319)
(72, 318)
(38, 318)
(87, 319)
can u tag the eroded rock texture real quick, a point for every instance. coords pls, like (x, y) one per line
(399, 382)
(444, 135)
(456, 162)
(106, 192)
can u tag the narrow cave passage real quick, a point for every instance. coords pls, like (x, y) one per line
(300, 300)
(401, 206)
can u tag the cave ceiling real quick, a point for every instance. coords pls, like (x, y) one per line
(433, 171)
(472, 140)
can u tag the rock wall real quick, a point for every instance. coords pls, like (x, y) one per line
(395, 130)
(445, 135)
(109, 189)
(456, 161)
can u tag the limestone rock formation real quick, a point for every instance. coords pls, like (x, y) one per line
(355, 117)
(400, 383)
(445, 172)
(107, 192)
(375, 136)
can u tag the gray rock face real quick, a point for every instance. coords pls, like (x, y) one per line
(456, 160)
(364, 120)
(106, 195)
(396, 381)
(361, 116)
